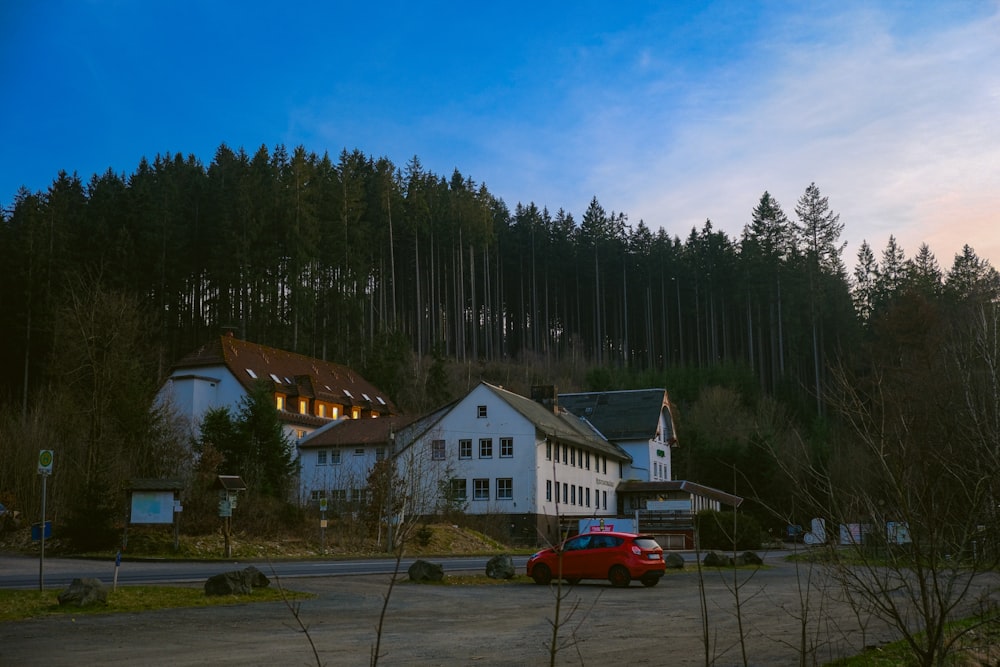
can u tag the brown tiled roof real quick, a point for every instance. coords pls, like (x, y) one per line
(290, 373)
(351, 432)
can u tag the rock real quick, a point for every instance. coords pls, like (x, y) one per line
(236, 582)
(84, 592)
(421, 571)
(713, 559)
(750, 558)
(673, 561)
(500, 567)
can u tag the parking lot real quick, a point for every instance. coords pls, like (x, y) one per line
(502, 624)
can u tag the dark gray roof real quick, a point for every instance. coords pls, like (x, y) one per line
(155, 484)
(619, 415)
(634, 486)
(559, 425)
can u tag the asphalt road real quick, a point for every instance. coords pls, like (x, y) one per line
(23, 572)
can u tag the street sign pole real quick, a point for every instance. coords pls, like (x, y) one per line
(44, 469)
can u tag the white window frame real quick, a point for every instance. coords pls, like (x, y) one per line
(505, 488)
(506, 448)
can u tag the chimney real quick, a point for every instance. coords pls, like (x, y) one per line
(546, 395)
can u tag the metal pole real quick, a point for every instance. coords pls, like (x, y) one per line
(41, 557)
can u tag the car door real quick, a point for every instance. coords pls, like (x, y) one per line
(575, 554)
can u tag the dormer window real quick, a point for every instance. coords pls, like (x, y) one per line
(279, 402)
(303, 406)
(321, 410)
(355, 413)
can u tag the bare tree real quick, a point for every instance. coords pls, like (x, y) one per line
(913, 482)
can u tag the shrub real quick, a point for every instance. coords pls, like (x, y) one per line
(715, 530)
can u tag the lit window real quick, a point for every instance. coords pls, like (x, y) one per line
(481, 411)
(480, 489)
(322, 410)
(437, 450)
(505, 488)
(334, 412)
(279, 402)
(506, 448)
(355, 413)
(321, 457)
(465, 449)
(486, 448)
(303, 406)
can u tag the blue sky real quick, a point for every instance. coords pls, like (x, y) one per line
(671, 112)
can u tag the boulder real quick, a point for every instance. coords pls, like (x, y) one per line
(673, 561)
(714, 559)
(500, 567)
(421, 571)
(84, 592)
(236, 582)
(749, 558)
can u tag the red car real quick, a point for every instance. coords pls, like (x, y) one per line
(617, 557)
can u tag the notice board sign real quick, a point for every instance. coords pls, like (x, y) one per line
(152, 507)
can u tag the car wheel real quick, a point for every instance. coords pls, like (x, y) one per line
(573, 581)
(541, 574)
(619, 576)
(650, 580)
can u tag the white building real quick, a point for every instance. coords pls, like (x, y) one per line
(511, 458)
(308, 393)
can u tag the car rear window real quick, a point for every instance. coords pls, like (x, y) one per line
(646, 543)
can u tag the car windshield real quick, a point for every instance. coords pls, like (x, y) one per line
(646, 543)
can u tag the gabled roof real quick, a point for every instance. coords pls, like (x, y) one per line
(355, 432)
(619, 415)
(559, 424)
(289, 373)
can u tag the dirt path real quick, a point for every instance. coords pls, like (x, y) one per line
(506, 624)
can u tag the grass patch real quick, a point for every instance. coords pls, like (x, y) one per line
(19, 605)
(475, 580)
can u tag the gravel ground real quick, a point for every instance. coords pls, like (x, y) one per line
(503, 624)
